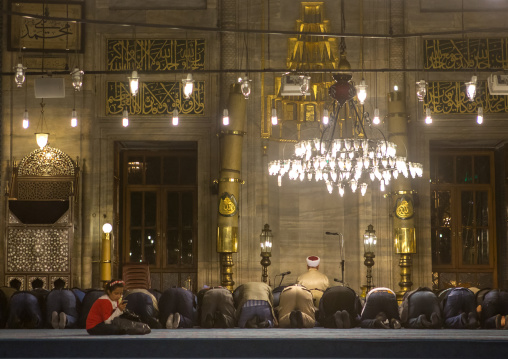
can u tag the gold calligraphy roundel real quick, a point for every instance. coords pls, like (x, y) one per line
(404, 207)
(227, 205)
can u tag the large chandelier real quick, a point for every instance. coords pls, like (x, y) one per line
(350, 162)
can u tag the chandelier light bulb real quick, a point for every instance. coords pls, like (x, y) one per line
(395, 88)
(188, 86)
(26, 122)
(175, 117)
(125, 118)
(74, 118)
(19, 78)
(479, 118)
(77, 79)
(361, 91)
(376, 120)
(428, 118)
(245, 86)
(326, 118)
(421, 90)
(225, 117)
(274, 117)
(471, 88)
(134, 83)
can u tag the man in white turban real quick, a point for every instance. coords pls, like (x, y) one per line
(314, 280)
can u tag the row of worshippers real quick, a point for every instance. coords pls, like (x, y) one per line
(309, 303)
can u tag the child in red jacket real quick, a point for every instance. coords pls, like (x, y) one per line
(105, 309)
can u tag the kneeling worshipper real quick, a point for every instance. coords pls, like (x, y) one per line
(61, 306)
(24, 311)
(178, 308)
(459, 308)
(381, 310)
(420, 309)
(494, 309)
(254, 305)
(314, 280)
(217, 308)
(144, 304)
(340, 307)
(296, 308)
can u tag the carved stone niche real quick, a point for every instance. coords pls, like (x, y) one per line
(40, 216)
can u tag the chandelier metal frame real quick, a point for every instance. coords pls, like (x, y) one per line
(345, 162)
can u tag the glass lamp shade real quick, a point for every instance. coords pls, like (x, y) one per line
(134, 83)
(376, 120)
(74, 118)
(369, 239)
(77, 79)
(428, 118)
(26, 121)
(19, 78)
(265, 240)
(305, 84)
(125, 118)
(326, 117)
(225, 117)
(245, 86)
(361, 91)
(175, 117)
(188, 86)
(107, 228)
(479, 118)
(471, 88)
(421, 90)
(42, 139)
(274, 117)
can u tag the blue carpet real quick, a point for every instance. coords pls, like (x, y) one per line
(260, 343)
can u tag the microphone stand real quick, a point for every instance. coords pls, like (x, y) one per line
(282, 278)
(342, 262)
(342, 272)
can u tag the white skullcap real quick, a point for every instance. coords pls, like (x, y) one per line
(313, 261)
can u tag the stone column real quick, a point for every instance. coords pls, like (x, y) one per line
(402, 194)
(231, 143)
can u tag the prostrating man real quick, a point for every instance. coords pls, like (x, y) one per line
(420, 309)
(494, 309)
(178, 308)
(296, 308)
(340, 307)
(380, 310)
(254, 305)
(459, 308)
(314, 280)
(217, 308)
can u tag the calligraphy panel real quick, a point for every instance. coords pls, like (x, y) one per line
(33, 34)
(155, 54)
(154, 98)
(449, 97)
(455, 54)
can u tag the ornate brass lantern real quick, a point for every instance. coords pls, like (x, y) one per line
(265, 240)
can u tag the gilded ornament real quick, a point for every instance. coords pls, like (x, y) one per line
(404, 207)
(227, 205)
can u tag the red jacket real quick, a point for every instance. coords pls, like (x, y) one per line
(103, 310)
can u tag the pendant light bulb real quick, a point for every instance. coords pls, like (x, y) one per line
(26, 122)
(326, 118)
(376, 120)
(125, 119)
(188, 86)
(471, 88)
(134, 83)
(479, 118)
(274, 117)
(428, 118)
(361, 92)
(175, 117)
(74, 118)
(225, 117)
(42, 139)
